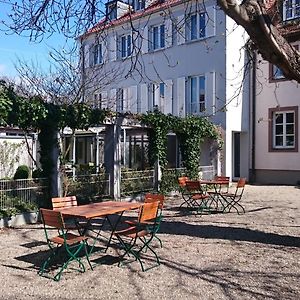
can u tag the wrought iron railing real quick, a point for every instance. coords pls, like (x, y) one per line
(88, 187)
(136, 181)
(28, 191)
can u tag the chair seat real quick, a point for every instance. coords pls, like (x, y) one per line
(199, 196)
(132, 232)
(71, 239)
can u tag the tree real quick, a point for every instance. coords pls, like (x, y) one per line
(40, 18)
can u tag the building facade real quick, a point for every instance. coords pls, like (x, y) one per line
(181, 57)
(275, 105)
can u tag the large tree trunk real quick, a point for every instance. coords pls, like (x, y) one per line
(253, 16)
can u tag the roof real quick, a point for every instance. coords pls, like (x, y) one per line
(132, 15)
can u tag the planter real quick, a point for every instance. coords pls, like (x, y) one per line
(19, 219)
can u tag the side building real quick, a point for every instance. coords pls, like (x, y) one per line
(276, 101)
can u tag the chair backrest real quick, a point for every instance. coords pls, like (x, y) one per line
(63, 202)
(193, 185)
(240, 187)
(154, 198)
(182, 181)
(222, 178)
(148, 211)
(52, 218)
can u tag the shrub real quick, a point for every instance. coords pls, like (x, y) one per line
(37, 173)
(22, 172)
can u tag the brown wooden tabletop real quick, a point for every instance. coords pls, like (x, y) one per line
(101, 209)
(214, 182)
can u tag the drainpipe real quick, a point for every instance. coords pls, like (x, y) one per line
(253, 85)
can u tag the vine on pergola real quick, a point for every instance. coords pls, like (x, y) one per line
(191, 131)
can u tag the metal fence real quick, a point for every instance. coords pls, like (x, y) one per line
(28, 191)
(136, 181)
(207, 172)
(88, 187)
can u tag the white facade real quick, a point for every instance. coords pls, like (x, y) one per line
(187, 58)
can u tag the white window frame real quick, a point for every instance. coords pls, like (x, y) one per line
(125, 45)
(157, 37)
(139, 4)
(97, 100)
(158, 92)
(291, 9)
(97, 54)
(196, 94)
(196, 26)
(284, 133)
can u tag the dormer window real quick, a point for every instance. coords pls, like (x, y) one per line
(139, 4)
(291, 9)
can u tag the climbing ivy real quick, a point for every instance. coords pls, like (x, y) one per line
(159, 126)
(191, 132)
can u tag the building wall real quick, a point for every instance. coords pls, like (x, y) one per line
(270, 166)
(219, 57)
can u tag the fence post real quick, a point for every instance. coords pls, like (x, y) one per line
(112, 157)
(157, 175)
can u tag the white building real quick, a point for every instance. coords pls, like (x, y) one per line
(276, 156)
(184, 57)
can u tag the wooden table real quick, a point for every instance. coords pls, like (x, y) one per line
(101, 209)
(216, 196)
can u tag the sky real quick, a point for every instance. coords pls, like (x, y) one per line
(13, 46)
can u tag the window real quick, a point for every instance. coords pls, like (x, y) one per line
(158, 95)
(139, 4)
(98, 56)
(196, 26)
(125, 46)
(197, 94)
(283, 129)
(157, 37)
(97, 100)
(276, 73)
(291, 9)
(120, 100)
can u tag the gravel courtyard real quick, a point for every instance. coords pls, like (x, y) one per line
(255, 255)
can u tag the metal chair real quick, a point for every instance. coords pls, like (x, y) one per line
(71, 243)
(137, 238)
(196, 196)
(232, 200)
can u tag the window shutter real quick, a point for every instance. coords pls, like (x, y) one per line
(89, 55)
(210, 93)
(144, 98)
(145, 40)
(132, 99)
(211, 21)
(181, 96)
(113, 47)
(104, 101)
(168, 97)
(181, 30)
(112, 100)
(168, 33)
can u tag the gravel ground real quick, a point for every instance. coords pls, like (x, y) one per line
(218, 256)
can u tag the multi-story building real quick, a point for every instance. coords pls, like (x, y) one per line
(182, 57)
(275, 105)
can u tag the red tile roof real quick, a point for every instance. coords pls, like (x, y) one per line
(131, 15)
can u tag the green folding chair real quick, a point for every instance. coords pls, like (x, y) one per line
(137, 238)
(70, 243)
(149, 198)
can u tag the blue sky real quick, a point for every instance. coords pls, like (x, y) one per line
(13, 46)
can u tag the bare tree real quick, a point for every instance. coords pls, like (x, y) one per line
(259, 18)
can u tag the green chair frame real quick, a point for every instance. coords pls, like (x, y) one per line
(137, 238)
(72, 244)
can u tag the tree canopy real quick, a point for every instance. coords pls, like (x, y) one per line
(42, 18)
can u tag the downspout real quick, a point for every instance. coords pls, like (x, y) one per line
(253, 85)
